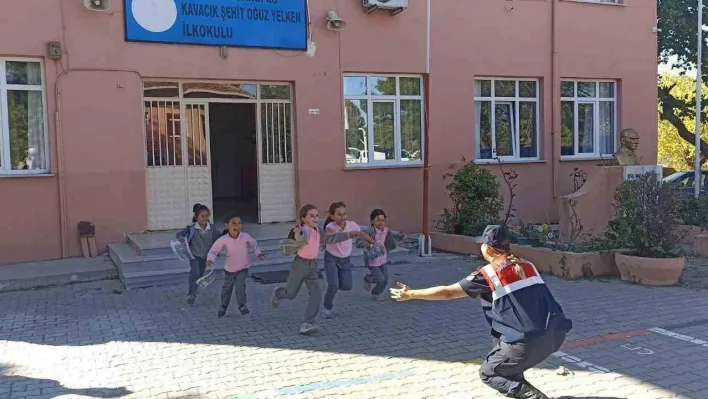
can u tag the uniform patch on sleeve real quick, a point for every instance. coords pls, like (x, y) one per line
(472, 276)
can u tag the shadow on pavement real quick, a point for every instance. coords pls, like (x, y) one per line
(45, 388)
(453, 331)
(588, 397)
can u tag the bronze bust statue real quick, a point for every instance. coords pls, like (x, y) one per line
(626, 155)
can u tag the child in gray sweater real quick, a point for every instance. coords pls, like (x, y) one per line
(200, 235)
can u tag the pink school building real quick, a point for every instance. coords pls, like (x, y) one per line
(126, 117)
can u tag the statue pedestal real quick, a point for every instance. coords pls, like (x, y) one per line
(592, 205)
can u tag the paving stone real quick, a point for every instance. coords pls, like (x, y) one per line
(149, 344)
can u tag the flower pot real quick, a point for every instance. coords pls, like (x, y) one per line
(649, 271)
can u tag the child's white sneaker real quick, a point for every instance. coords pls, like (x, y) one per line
(327, 314)
(308, 328)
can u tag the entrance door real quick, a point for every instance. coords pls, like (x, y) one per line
(198, 169)
(178, 173)
(276, 170)
(234, 159)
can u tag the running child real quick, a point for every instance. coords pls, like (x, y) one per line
(385, 238)
(238, 261)
(200, 236)
(304, 241)
(338, 266)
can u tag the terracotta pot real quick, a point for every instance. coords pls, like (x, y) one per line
(649, 271)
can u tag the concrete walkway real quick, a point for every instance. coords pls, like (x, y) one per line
(31, 275)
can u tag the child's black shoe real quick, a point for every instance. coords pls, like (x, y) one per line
(244, 310)
(222, 313)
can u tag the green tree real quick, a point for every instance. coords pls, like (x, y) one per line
(678, 22)
(672, 150)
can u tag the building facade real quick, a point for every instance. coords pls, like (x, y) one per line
(128, 128)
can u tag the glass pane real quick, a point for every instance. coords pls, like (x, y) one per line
(409, 86)
(607, 127)
(356, 131)
(527, 130)
(275, 92)
(196, 134)
(23, 73)
(28, 146)
(483, 88)
(411, 131)
(607, 89)
(382, 86)
(383, 131)
(504, 88)
(354, 85)
(527, 89)
(586, 89)
(483, 125)
(567, 89)
(218, 90)
(567, 128)
(161, 89)
(504, 129)
(163, 137)
(586, 128)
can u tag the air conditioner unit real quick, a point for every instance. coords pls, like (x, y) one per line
(394, 6)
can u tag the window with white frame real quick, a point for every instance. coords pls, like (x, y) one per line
(383, 120)
(506, 119)
(588, 118)
(23, 139)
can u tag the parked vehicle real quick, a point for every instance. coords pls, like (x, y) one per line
(685, 181)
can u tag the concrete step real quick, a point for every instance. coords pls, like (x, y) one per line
(158, 243)
(137, 271)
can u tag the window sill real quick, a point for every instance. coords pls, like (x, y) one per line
(4, 175)
(596, 3)
(585, 158)
(508, 161)
(364, 166)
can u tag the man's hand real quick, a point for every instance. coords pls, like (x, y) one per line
(209, 264)
(182, 240)
(401, 294)
(262, 255)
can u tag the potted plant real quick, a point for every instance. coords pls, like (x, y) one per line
(647, 225)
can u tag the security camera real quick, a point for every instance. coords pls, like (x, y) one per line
(334, 22)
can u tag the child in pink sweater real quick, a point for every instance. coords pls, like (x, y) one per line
(238, 261)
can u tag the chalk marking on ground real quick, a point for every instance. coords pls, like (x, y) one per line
(682, 337)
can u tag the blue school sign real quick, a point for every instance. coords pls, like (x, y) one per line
(280, 24)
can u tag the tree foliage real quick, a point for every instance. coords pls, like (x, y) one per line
(673, 151)
(678, 22)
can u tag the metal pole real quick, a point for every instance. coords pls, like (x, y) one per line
(699, 94)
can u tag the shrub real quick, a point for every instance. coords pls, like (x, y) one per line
(647, 218)
(476, 201)
(694, 211)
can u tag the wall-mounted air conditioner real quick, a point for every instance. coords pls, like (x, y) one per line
(394, 6)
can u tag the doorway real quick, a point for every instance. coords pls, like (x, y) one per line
(234, 160)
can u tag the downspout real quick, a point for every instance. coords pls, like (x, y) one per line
(425, 243)
(555, 95)
(60, 150)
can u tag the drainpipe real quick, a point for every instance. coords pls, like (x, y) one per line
(60, 150)
(555, 95)
(425, 243)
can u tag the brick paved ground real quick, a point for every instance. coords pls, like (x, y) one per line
(87, 341)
